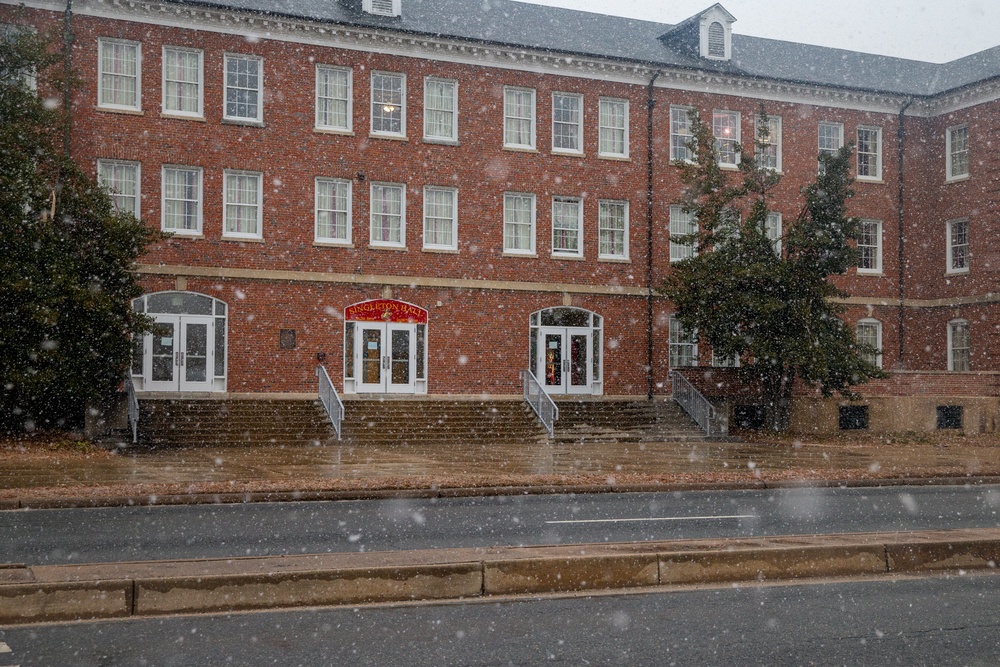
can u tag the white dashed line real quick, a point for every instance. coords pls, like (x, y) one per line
(4, 648)
(660, 518)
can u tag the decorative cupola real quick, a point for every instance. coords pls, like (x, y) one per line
(708, 34)
(391, 8)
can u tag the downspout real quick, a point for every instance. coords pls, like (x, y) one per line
(901, 273)
(650, 103)
(67, 75)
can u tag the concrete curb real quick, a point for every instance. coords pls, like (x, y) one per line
(117, 590)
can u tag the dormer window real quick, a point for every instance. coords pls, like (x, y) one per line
(716, 40)
(383, 7)
(716, 33)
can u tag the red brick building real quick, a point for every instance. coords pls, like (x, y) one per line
(432, 196)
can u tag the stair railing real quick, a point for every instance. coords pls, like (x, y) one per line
(330, 399)
(539, 400)
(692, 401)
(133, 408)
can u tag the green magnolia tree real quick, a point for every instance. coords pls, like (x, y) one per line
(66, 256)
(768, 301)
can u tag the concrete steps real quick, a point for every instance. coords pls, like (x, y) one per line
(624, 421)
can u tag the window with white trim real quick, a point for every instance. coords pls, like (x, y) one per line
(182, 202)
(680, 134)
(831, 138)
(119, 75)
(725, 362)
(382, 7)
(726, 129)
(567, 226)
(683, 349)
(959, 348)
(519, 117)
(567, 123)
(957, 152)
(958, 246)
(869, 153)
(388, 215)
(440, 109)
(683, 227)
(716, 40)
(440, 218)
(244, 83)
(772, 227)
(869, 332)
(334, 98)
(518, 223)
(870, 246)
(612, 225)
(182, 82)
(333, 210)
(388, 104)
(242, 216)
(122, 180)
(770, 156)
(613, 128)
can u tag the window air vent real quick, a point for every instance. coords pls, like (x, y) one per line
(384, 7)
(716, 40)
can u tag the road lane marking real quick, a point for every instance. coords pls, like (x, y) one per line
(4, 648)
(659, 518)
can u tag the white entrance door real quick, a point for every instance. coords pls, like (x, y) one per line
(386, 357)
(179, 354)
(564, 364)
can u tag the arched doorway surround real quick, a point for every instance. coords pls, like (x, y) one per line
(565, 350)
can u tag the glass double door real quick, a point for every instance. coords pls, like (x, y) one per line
(564, 362)
(386, 357)
(179, 354)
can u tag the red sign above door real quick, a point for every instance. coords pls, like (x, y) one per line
(385, 310)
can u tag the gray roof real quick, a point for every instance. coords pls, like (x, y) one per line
(519, 24)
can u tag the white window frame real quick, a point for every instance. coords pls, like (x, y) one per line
(773, 139)
(718, 126)
(379, 7)
(951, 152)
(577, 127)
(508, 198)
(680, 339)
(372, 214)
(877, 325)
(951, 245)
(233, 57)
(956, 361)
(335, 182)
(102, 43)
(877, 132)
(348, 126)
(507, 143)
(719, 362)
(451, 137)
(877, 269)
(606, 234)
(453, 219)
(110, 184)
(196, 231)
(562, 251)
(388, 103)
(838, 136)
(604, 129)
(680, 251)
(773, 230)
(679, 120)
(200, 83)
(258, 206)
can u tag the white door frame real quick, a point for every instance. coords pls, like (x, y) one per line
(562, 338)
(185, 363)
(391, 368)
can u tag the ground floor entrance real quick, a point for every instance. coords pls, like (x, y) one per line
(385, 348)
(564, 365)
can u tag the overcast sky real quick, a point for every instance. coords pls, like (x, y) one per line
(930, 30)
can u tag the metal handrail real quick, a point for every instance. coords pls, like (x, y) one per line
(330, 399)
(692, 401)
(539, 400)
(133, 408)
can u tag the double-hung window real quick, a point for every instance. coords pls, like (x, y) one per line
(683, 349)
(683, 228)
(388, 215)
(440, 218)
(244, 84)
(388, 104)
(122, 180)
(726, 128)
(957, 152)
(518, 223)
(333, 211)
(182, 82)
(567, 226)
(869, 333)
(869, 153)
(440, 109)
(567, 123)
(119, 75)
(242, 215)
(959, 349)
(770, 155)
(519, 118)
(772, 227)
(181, 206)
(612, 225)
(680, 134)
(831, 138)
(334, 98)
(958, 246)
(613, 128)
(870, 247)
